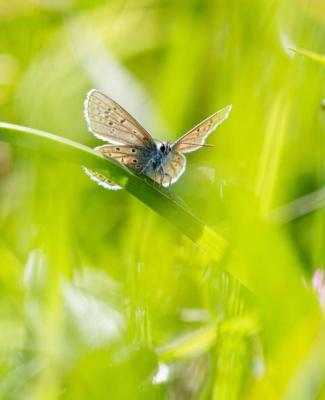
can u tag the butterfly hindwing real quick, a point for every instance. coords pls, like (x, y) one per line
(131, 156)
(101, 179)
(108, 121)
(195, 138)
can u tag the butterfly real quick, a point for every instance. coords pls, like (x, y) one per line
(133, 146)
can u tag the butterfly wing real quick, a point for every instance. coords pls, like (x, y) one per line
(172, 170)
(110, 122)
(101, 179)
(131, 156)
(196, 137)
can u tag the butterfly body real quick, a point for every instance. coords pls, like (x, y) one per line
(134, 147)
(157, 159)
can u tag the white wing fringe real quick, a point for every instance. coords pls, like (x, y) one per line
(101, 180)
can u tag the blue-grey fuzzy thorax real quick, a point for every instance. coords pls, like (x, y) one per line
(156, 157)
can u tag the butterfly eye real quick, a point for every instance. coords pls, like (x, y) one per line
(162, 148)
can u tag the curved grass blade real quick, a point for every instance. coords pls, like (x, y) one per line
(155, 197)
(309, 54)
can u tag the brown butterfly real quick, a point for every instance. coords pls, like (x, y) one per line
(134, 147)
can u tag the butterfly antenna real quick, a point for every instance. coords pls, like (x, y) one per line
(197, 144)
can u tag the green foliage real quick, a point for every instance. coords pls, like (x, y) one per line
(100, 296)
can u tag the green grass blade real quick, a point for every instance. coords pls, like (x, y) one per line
(200, 340)
(157, 198)
(309, 54)
(297, 208)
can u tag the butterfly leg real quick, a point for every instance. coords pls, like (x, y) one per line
(148, 170)
(162, 175)
(145, 168)
(155, 177)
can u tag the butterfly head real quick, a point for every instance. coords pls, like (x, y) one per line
(164, 147)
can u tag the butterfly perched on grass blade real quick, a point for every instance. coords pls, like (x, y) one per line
(133, 146)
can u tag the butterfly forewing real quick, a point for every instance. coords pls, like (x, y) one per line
(196, 137)
(109, 121)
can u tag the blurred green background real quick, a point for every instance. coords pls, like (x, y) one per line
(100, 297)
